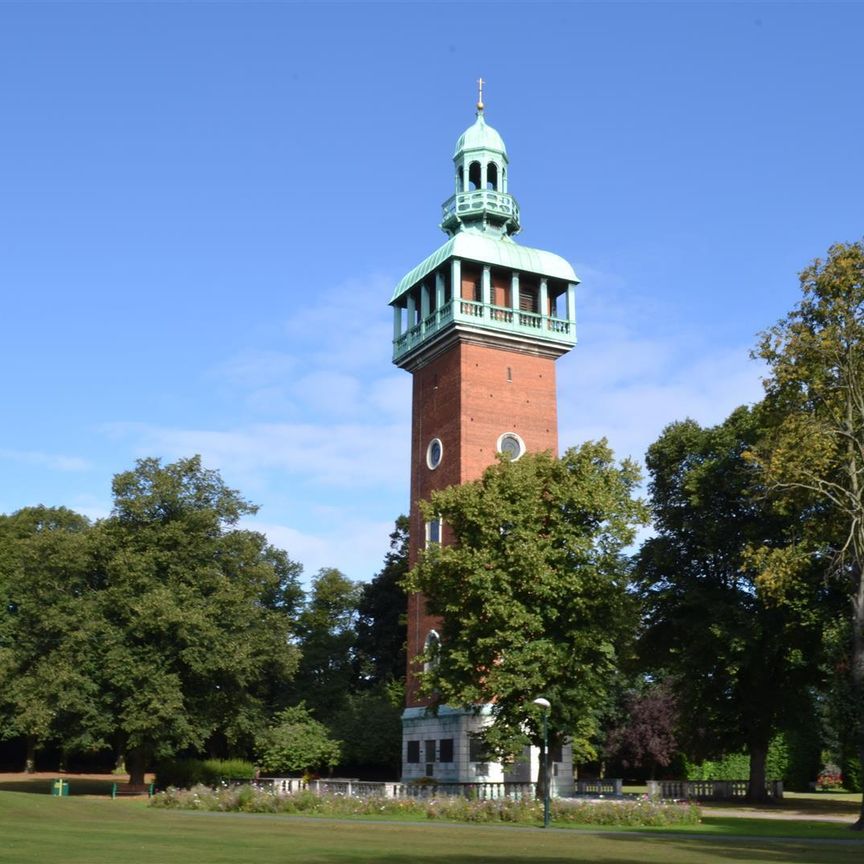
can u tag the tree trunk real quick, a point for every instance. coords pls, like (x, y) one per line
(30, 755)
(859, 824)
(136, 764)
(756, 788)
(858, 679)
(541, 775)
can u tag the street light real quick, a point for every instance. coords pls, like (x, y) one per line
(545, 704)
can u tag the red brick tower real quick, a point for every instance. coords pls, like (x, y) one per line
(479, 325)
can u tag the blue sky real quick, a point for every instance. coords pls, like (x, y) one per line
(204, 208)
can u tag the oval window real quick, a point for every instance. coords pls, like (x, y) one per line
(511, 445)
(434, 453)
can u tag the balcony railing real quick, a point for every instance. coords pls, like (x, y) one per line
(496, 318)
(480, 201)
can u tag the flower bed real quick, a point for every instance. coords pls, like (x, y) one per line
(250, 799)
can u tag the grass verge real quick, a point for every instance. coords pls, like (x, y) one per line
(37, 828)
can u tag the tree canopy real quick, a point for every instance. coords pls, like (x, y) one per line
(45, 572)
(380, 651)
(187, 647)
(815, 450)
(160, 628)
(739, 662)
(532, 591)
(325, 630)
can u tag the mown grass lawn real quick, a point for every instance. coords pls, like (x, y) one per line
(38, 828)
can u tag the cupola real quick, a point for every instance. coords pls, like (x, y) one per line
(481, 201)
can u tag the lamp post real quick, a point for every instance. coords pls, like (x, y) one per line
(545, 705)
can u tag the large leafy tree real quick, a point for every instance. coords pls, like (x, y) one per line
(369, 723)
(815, 393)
(739, 661)
(45, 574)
(369, 719)
(533, 591)
(191, 615)
(380, 650)
(326, 638)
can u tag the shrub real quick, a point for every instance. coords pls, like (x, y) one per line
(296, 742)
(253, 799)
(734, 766)
(852, 773)
(186, 773)
(829, 778)
(643, 812)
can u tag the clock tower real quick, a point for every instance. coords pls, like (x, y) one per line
(479, 325)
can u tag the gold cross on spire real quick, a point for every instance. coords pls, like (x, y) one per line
(480, 83)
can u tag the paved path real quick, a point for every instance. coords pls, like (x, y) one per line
(790, 815)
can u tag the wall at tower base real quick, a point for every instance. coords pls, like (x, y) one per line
(426, 735)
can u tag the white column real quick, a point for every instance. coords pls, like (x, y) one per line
(412, 309)
(397, 322)
(456, 277)
(486, 285)
(439, 289)
(571, 303)
(514, 291)
(424, 301)
(544, 297)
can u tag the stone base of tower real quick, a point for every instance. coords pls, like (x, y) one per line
(440, 747)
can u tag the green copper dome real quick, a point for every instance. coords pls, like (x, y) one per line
(480, 136)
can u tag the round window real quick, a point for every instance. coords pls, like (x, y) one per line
(434, 452)
(511, 445)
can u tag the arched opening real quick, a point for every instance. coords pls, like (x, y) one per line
(473, 176)
(492, 176)
(430, 650)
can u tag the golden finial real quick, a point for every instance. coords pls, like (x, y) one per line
(480, 83)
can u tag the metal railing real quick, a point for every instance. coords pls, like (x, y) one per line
(473, 312)
(479, 200)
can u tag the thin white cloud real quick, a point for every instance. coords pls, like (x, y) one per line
(636, 371)
(353, 545)
(256, 368)
(332, 362)
(337, 453)
(349, 455)
(348, 328)
(53, 461)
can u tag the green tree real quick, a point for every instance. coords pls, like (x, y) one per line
(296, 742)
(815, 392)
(44, 574)
(533, 592)
(326, 638)
(380, 648)
(739, 661)
(189, 630)
(369, 718)
(370, 725)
